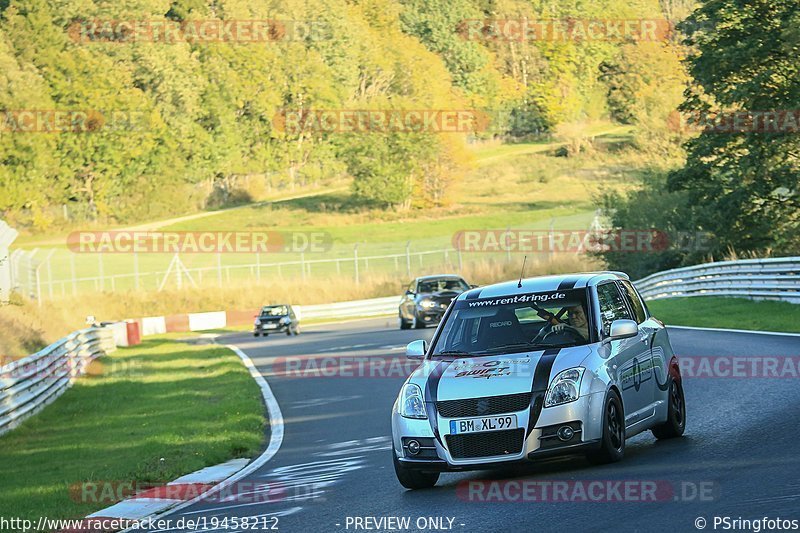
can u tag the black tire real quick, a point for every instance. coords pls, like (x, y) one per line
(288, 332)
(296, 331)
(612, 445)
(404, 324)
(255, 334)
(676, 414)
(413, 479)
(418, 324)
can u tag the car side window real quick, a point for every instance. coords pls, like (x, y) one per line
(612, 305)
(635, 301)
(473, 331)
(465, 335)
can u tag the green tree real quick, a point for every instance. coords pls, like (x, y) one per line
(743, 186)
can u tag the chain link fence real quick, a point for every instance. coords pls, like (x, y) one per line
(59, 272)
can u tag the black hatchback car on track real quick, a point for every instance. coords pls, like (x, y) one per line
(276, 319)
(427, 298)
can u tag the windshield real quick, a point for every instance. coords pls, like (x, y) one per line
(439, 285)
(275, 310)
(517, 323)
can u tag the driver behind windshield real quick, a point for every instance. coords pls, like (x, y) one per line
(515, 323)
(576, 319)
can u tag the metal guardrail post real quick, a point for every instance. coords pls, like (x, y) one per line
(408, 258)
(355, 263)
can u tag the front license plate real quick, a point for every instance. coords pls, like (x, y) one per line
(270, 326)
(479, 425)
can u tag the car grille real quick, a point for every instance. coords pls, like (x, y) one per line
(491, 405)
(491, 443)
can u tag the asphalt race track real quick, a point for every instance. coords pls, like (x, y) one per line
(739, 458)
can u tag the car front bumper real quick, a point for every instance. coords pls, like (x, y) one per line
(263, 328)
(584, 416)
(430, 315)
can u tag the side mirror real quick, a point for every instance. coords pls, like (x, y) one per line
(416, 349)
(623, 329)
(473, 286)
(410, 293)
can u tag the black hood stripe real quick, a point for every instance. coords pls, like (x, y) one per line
(541, 379)
(432, 396)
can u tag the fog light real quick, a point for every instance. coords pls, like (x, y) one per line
(565, 433)
(413, 447)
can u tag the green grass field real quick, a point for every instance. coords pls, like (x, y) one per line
(729, 313)
(147, 414)
(520, 186)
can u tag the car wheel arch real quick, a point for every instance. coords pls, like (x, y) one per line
(616, 390)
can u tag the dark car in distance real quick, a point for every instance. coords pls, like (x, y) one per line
(276, 319)
(427, 298)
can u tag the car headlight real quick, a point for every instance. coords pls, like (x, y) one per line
(565, 387)
(427, 303)
(258, 322)
(285, 320)
(411, 402)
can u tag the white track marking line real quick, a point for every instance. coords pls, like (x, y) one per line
(774, 333)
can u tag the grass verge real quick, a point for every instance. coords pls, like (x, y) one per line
(729, 313)
(146, 415)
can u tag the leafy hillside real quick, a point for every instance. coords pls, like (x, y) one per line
(188, 125)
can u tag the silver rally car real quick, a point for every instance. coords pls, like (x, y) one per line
(570, 364)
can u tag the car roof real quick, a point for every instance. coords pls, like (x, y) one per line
(275, 305)
(544, 284)
(439, 276)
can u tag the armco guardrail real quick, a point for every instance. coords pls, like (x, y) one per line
(354, 308)
(155, 325)
(768, 279)
(30, 384)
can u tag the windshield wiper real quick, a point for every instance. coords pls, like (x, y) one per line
(457, 353)
(510, 346)
(528, 346)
